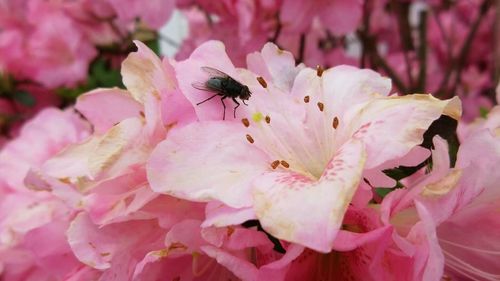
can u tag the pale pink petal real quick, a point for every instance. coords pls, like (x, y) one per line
(218, 214)
(391, 127)
(278, 194)
(96, 107)
(207, 161)
(52, 129)
(345, 86)
(115, 247)
(278, 269)
(243, 269)
(175, 108)
(143, 73)
(94, 157)
(274, 65)
(434, 263)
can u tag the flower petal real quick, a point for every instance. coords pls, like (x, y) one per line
(207, 161)
(390, 127)
(106, 107)
(300, 210)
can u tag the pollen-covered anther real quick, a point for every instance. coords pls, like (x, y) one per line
(268, 119)
(321, 106)
(284, 164)
(319, 70)
(306, 99)
(335, 123)
(250, 139)
(275, 164)
(245, 122)
(262, 82)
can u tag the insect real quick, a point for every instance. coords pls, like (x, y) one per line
(224, 86)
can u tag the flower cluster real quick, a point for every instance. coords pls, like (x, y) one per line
(439, 47)
(297, 184)
(47, 46)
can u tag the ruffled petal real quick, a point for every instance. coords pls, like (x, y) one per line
(390, 127)
(207, 161)
(280, 199)
(96, 107)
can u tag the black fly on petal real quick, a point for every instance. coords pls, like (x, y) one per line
(224, 86)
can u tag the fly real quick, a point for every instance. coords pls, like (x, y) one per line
(224, 86)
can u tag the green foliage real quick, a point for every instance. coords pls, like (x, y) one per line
(24, 98)
(483, 112)
(101, 75)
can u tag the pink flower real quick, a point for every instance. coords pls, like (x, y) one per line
(452, 207)
(298, 15)
(154, 13)
(304, 132)
(33, 245)
(34, 48)
(105, 175)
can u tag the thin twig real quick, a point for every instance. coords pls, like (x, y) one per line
(302, 47)
(277, 32)
(422, 51)
(402, 15)
(369, 44)
(459, 62)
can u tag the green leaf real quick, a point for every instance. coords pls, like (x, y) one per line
(483, 112)
(24, 98)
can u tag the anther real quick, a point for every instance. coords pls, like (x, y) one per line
(306, 99)
(335, 122)
(245, 122)
(275, 164)
(319, 70)
(285, 164)
(142, 114)
(250, 139)
(268, 119)
(262, 82)
(321, 106)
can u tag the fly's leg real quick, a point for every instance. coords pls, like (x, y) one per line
(207, 99)
(244, 102)
(238, 104)
(224, 105)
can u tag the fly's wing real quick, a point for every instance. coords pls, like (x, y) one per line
(202, 86)
(214, 72)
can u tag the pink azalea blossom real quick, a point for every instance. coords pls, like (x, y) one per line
(104, 178)
(33, 245)
(344, 109)
(456, 206)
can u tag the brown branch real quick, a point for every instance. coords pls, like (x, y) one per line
(459, 62)
(369, 44)
(422, 52)
(402, 11)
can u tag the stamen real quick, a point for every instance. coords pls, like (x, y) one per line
(142, 114)
(321, 106)
(245, 122)
(262, 82)
(319, 70)
(306, 99)
(250, 139)
(275, 164)
(335, 122)
(268, 119)
(285, 164)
